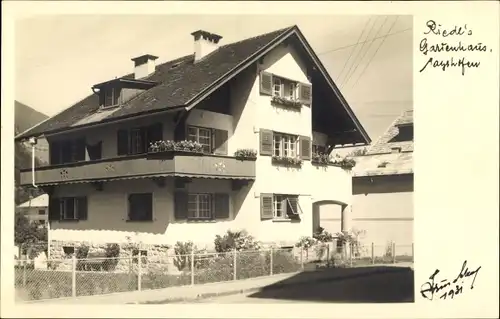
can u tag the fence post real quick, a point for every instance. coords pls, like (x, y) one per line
(302, 257)
(192, 267)
(350, 254)
(73, 277)
(373, 254)
(24, 272)
(271, 262)
(234, 265)
(139, 273)
(328, 254)
(393, 252)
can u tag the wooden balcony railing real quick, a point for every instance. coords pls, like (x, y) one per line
(145, 165)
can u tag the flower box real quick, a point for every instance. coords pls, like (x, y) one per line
(245, 154)
(294, 104)
(171, 148)
(287, 161)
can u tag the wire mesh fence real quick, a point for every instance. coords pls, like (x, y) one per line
(71, 277)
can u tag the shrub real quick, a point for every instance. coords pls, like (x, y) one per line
(112, 253)
(239, 240)
(245, 154)
(322, 235)
(183, 251)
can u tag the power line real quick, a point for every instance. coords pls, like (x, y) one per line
(354, 47)
(367, 50)
(350, 45)
(357, 55)
(373, 56)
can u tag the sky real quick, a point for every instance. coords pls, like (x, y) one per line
(59, 58)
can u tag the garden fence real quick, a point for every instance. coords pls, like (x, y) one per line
(72, 277)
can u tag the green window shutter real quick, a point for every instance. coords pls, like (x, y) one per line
(305, 93)
(221, 206)
(82, 208)
(305, 147)
(266, 206)
(122, 142)
(54, 209)
(180, 205)
(266, 142)
(220, 141)
(266, 83)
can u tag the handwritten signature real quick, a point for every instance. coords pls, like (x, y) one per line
(445, 288)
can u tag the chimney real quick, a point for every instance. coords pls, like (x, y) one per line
(204, 43)
(144, 65)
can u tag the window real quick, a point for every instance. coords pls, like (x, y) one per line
(73, 208)
(68, 250)
(202, 136)
(140, 207)
(68, 208)
(41, 212)
(285, 206)
(111, 97)
(137, 140)
(277, 86)
(284, 88)
(200, 206)
(285, 145)
(67, 151)
(137, 145)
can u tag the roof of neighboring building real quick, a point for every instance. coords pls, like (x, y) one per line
(40, 201)
(181, 84)
(379, 158)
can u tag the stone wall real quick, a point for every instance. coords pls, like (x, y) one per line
(157, 256)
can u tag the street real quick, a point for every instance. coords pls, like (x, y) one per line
(375, 288)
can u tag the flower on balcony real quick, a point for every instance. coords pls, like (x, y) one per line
(344, 162)
(182, 146)
(286, 102)
(245, 154)
(287, 161)
(321, 159)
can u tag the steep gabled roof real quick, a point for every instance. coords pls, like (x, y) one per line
(182, 84)
(379, 159)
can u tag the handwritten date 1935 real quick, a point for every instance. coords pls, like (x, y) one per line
(445, 288)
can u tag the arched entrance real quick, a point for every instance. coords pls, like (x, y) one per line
(331, 215)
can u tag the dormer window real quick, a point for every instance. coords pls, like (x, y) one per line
(111, 97)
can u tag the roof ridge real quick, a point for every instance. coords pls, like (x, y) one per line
(393, 124)
(260, 35)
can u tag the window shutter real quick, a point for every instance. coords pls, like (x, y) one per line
(292, 206)
(266, 83)
(221, 206)
(305, 147)
(122, 142)
(155, 133)
(305, 93)
(180, 205)
(266, 206)
(144, 139)
(148, 206)
(82, 208)
(80, 149)
(54, 209)
(55, 153)
(95, 151)
(180, 130)
(220, 141)
(266, 142)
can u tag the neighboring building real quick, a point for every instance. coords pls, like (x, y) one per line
(35, 209)
(270, 94)
(383, 187)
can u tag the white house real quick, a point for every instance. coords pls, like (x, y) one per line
(123, 163)
(35, 209)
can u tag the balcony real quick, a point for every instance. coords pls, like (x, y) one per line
(144, 165)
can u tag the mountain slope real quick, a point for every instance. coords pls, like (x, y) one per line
(25, 117)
